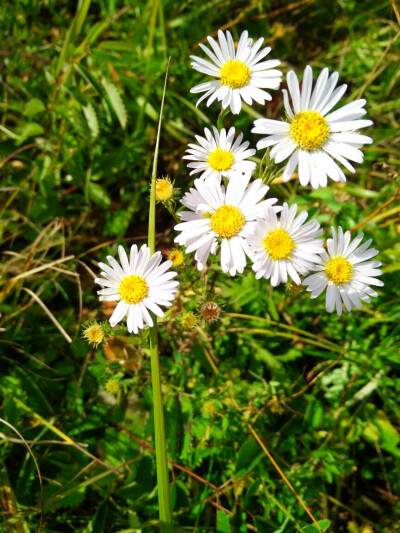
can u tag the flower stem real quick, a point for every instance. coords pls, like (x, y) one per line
(221, 116)
(159, 426)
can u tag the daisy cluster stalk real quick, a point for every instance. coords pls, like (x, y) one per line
(159, 425)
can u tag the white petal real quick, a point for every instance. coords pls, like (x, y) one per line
(291, 166)
(294, 89)
(330, 300)
(306, 88)
(124, 260)
(119, 313)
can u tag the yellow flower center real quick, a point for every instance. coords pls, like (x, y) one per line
(164, 190)
(94, 334)
(176, 256)
(189, 321)
(133, 289)
(235, 74)
(227, 221)
(112, 386)
(209, 408)
(220, 159)
(279, 244)
(339, 270)
(309, 130)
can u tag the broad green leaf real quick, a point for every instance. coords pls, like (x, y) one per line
(388, 431)
(223, 525)
(33, 107)
(91, 119)
(249, 456)
(70, 500)
(32, 129)
(380, 430)
(116, 102)
(99, 195)
(312, 528)
(322, 194)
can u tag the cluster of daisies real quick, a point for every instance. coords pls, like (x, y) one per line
(228, 213)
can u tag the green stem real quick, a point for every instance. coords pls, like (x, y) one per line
(160, 441)
(221, 116)
(159, 426)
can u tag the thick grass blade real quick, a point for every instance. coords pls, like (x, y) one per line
(73, 32)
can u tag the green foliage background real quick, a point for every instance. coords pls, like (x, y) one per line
(80, 92)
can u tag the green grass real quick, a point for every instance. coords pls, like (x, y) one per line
(80, 98)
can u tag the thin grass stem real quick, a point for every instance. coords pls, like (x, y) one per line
(159, 426)
(283, 326)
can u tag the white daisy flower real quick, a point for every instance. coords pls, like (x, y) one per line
(221, 216)
(140, 283)
(285, 247)
(240, 73)
(345, 272)
(314, 136)
(218, 155)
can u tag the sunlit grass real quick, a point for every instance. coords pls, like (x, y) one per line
(80, 98)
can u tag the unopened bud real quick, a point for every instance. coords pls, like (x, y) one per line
(210, 311)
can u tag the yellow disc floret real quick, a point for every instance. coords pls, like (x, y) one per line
(176, 257)
(279, 244)
(94, 334)
(133, 289)
(112, 386)
(220, 160)
(189, 321)
(209, 407)
(227, 221)
(309, 130)
(191, 382)
(164, 190)
(339, 270)
(235, 74)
